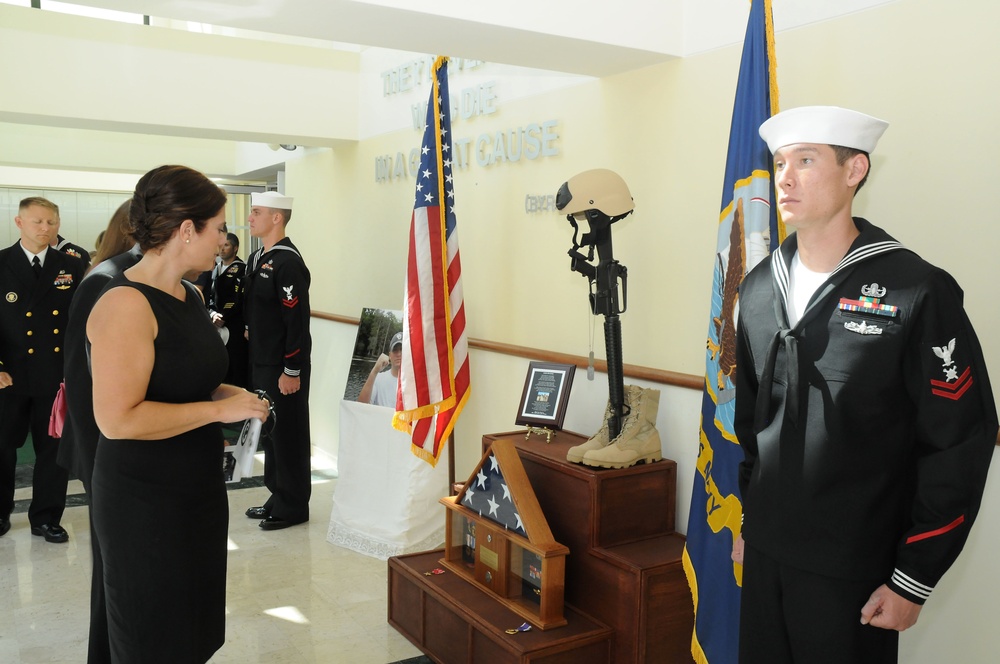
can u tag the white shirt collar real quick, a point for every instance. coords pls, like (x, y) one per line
(31, 256)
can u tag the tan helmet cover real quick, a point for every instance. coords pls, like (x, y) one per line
(597, 189)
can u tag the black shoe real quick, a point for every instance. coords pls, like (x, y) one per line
(4, 526)
(52, 532)
(271, 523)
(258, 513)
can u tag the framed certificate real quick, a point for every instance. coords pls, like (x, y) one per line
(545, 395)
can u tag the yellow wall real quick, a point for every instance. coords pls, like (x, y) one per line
(926, 66)
(917, 63)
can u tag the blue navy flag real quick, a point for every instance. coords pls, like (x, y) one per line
(488, 495)
(749, 230)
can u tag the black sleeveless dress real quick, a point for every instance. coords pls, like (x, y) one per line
(160, 506)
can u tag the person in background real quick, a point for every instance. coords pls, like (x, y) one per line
(38, 284)
(381, 386)
(159, 499)
(863, 408)
(100, 238)
(78, 445)
(276, 307)
(203, 281)
(226, 308)
(59, 243)
(115, 239)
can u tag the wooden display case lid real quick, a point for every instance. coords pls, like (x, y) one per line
(499, 490)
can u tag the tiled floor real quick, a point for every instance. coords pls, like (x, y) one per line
(292, 596)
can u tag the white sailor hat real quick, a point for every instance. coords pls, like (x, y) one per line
(270, 199)
(827, 125)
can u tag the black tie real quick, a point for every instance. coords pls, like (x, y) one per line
(37, 265)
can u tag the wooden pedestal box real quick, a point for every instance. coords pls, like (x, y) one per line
(497, 538)
(457, 622)
(595, 507)
(627, 599)
(625, 567)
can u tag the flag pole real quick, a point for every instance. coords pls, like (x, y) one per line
(434, 375)
(451, 464)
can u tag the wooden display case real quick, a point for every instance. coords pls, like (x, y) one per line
(497, 538)
(453, 621)
(626, 597)
(626, 569)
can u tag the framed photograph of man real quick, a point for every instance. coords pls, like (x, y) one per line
(545, 395)
(375, 361)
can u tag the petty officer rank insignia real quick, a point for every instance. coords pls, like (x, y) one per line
(289, 301)
(868, 304)
(63, 280)
(955, 383)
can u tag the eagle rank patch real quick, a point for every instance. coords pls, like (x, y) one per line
(955, 384)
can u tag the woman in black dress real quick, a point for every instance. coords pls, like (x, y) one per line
(159, 498)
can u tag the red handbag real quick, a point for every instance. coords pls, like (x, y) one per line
(58, 417)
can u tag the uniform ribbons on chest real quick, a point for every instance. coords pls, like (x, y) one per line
(786, 335)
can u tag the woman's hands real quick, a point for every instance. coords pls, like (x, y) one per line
(237, 404)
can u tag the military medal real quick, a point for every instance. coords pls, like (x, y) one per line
(868, 304)
(63, 281)
(862, 328)
(524, 627)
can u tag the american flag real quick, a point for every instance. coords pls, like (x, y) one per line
(488, 495)
(434, 376)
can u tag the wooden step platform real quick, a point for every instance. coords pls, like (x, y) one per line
(454, 622)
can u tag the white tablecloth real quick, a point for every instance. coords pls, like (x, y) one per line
(386, 499)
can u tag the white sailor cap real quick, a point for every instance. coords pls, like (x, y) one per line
(270, 199)
(827, 125)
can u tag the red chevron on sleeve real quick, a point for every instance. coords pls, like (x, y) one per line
(953, 391)
(291, 304)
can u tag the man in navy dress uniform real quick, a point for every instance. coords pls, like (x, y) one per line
(226, 307)
(276, 308)
(863, 408)
(37, 284)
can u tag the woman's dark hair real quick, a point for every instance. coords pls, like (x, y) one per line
(165, 197)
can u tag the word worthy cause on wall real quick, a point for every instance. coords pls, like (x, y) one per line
(528, 141)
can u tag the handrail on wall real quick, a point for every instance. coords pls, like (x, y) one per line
(630, 370)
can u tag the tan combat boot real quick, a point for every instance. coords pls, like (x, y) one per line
(639, 439)
(600, 439)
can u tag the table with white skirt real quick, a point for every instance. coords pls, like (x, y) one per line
(386, 498)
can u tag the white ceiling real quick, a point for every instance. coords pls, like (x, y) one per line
(591, 37)
(586, 37)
